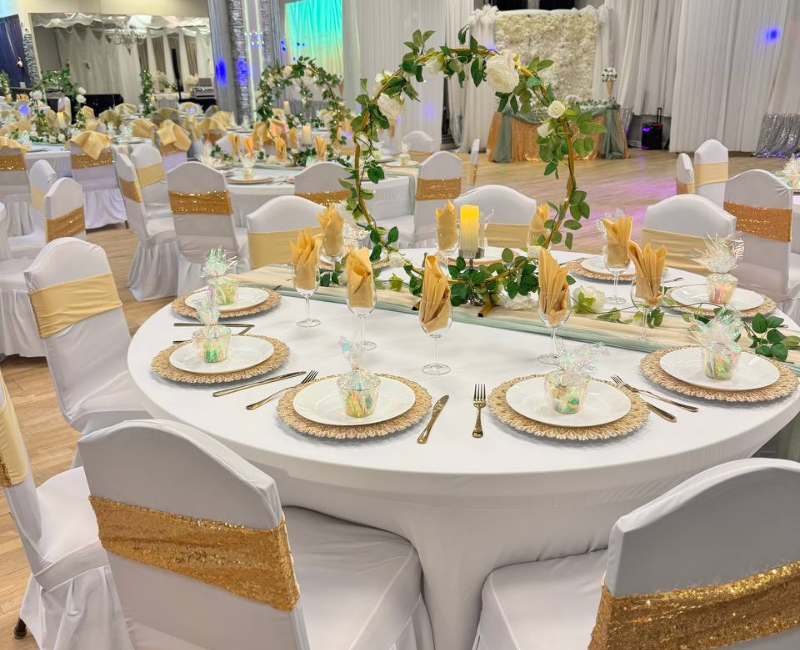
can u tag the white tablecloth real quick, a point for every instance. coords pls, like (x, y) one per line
(56, 155)
(166, 100)
(468, 505)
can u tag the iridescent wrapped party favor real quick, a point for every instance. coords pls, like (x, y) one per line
(358, 388)
(213, 341)
(719, 347)
(565, 387)
(791, 173)
(217, 264)
(721, 256)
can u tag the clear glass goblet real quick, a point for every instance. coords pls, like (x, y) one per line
(362, 312)
(645, 303)
(551, 359)
(306, 288)
(615, 268)
(441, 328)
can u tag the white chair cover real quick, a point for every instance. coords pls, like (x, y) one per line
(472, 175)
(689, 214)
(322, 177)
(197, 233)
(375, 575)
(724, 524)
(419, 141)
(684, 175)
(769, 266)
(154, 270)
(711, 151)
(87, 360)
(284, 213)
(155, 194)
(71, 602)
(5, 249)
(102, 201)
(42, 176)
(173, 160)
(15, 194)
(65, 195)
(508, 205)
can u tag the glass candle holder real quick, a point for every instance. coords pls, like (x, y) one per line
(248, 162)
(720, 362)
(721, 287)
(565, 391)
(359, 392)
(213, 342)
(226, 290)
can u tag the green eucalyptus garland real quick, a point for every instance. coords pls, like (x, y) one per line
(146, 96)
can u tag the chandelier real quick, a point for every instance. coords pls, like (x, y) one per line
(125, 35)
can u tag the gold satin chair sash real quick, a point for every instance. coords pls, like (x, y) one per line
(681, 249)
(431, 189)
(85, 161)
(325, 198)
(272, 247)
(701, 618)
(250, 562)
(169, 149)
(710, 172)
(15, 163)
(13, 460)
(218, 202)
(67, 225)
(131, 190)
(61, 305)
(507, 235)
(37, 198)
(684, 188)
(769, 223)
(151, 174)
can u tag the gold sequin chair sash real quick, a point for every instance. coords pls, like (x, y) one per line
(507, 235)
(272, 247)
(85, 161)
(218, 202)
(131, 190)
(710, 172)
(684, 188)
(67, 225)
(14, 163)
(769, 223)
(37, 198)
(61, 305)
(325, 198)
(701, 618)
(432, 189)
(681, 249)
(150, 174)
(13, 460)
(252, 563)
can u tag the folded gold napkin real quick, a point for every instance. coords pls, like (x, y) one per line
(305, 257)
(434, 310)
(360, 284)
(108, 116)
(92, 143)
(332, 224)
(125, 109)
(225, 117)
(537, 228)
(11, 144)
(261, 135)
(446, 235)
(18, 126)
(276, 127)
(143, 128)
(553, 288)
(87, 111)
(293, 138)
(192, 127)
(280, 149)
(213, 124)
(92, 123)
(649, 266)
(171, 133)
(618, 234)
(249, 148)
(322, 147)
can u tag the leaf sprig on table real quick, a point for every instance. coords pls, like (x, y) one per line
(766, 339)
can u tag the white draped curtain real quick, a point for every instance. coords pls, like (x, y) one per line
(481, 102)
(457, 14)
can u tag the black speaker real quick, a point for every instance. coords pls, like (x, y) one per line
(652, 133)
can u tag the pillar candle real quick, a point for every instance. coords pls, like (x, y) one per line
(470, 227)
(286, 107)
(306, 134)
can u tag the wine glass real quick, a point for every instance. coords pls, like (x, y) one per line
(362, 312)
(614, 263)
(551, 359)
(441, 326)
(645, 304)
(447, 250)
(306, 286)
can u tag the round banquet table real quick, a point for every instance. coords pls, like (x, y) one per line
(468, 505)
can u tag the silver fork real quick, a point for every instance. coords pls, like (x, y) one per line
(478, 401)
(311, 376)
(619, 381)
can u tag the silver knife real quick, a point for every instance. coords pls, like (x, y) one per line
(437, 408)
(236, 389)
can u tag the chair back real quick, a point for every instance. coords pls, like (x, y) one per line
(5, 249)
(472, 173)
(722, 525)
(13, 172)
(64, 105)
(203, 219)
(711, 170)
(165, 113)
(64, 211)
(192, 483)
(41, 176)
(439, 179)
(762, 205)
(92, 174)
(420, 144)
(272, 226)
(150, 172)
(80, 319)
(511, 211)
(684, 175)
(320, 183)
(132, 197)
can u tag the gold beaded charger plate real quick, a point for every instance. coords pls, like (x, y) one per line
(766, 307)
(162, 366)
(651, 368)
(421, 406)
(575, 268)
(179, 306)
(634, 419)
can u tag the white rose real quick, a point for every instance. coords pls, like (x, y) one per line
(362, 141)
(287, 70)
(52, 139)
(81, 90)
(390, 107)
(501, 73)
(544, 129)
(556, 109)
(36, 94)
(516, 303)
(590, 293)
(61, 137)
(80, 99)
(396, 260)
(433, 66)
(533, 252)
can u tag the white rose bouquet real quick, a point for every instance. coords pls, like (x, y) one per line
(501, 73)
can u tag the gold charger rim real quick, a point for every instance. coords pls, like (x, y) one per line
(650, 366)
(575, 267)
(632, 421)
(406, 420)
(273, 299)
(163, 368)
(766, 308)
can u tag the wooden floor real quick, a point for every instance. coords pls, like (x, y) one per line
(633, 184)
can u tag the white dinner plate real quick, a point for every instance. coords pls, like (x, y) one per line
(686, 364)
(248, 297)
(396, 163)
(597, 265)
(320, 402)
(694, 295)
(244, 352)
(237, 178)
(603, 404)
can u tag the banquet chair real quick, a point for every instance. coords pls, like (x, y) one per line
(724, 525)
(86, 345)
(211, 110)
(166, 113)
(684, 175)
(70, 602)
(420, 145)
(42, 176)
(472, 172)
(762, 205)
(711, 171)
(320, 183)
(681, 223)
(15, 190)
(150, 172)
(154, 270)
(102, 200)
(271, 227)
(342, 586)
(173, 153)
(203, 220)
(510, 213)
